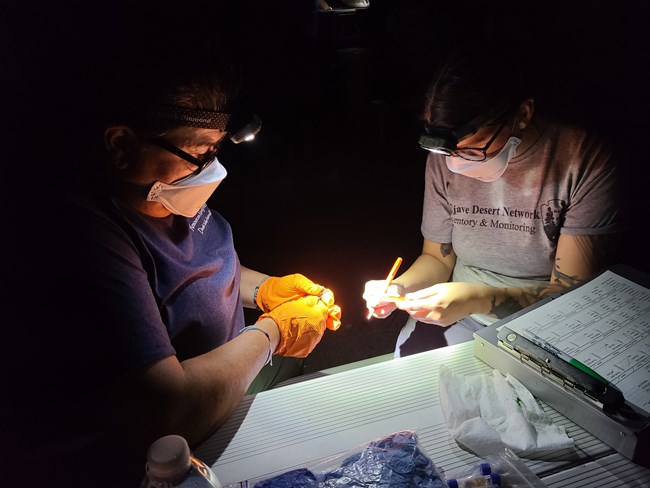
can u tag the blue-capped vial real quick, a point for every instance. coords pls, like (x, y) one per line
(485, 469)
(492, 480)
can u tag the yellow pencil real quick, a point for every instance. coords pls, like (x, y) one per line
(389, 279)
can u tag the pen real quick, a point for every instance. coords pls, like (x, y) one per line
(535, 339)
(389, 279)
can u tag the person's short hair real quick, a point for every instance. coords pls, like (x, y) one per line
(201, 77)
(140, 58)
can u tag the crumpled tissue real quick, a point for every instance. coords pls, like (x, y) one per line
(486, 413)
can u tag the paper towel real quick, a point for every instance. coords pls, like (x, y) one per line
(487, 412)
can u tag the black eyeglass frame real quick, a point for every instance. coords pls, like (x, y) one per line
(442, 140)
(206, 159)
(243, 134)
(458, 152)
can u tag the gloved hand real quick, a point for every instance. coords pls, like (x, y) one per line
(301, 323)
(277, 290)
(334, 316)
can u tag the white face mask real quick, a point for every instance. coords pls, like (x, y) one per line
(488, 170)
(186, 196)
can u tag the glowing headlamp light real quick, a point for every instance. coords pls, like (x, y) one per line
(442, 140)
(248, 131)
(439, 141)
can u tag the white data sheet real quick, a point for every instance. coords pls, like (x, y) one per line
(604, 324)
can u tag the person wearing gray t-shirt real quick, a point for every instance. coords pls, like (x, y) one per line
(516, 207)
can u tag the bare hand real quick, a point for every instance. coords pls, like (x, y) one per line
(443, 303)
(379, 301)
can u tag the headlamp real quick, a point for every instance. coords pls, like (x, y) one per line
(248, 131)
(439, 140)
(241, 126)
(442, 140)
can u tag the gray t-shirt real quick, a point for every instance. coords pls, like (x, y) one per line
(505, 232)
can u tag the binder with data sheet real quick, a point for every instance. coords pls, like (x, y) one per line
(586, 352)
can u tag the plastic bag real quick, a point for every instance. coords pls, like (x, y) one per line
(396, 460)
(503, 469)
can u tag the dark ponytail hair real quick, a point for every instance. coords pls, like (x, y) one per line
(480, 79)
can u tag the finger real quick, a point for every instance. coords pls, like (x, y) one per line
(327, 296)
(333, 323)
(335, 312)
(371, 312)
(313, 301)
(307, 286)
(383, 311)
(420, 294)
(393, 298)
(408, 304)
(374, 289)
(393, 291)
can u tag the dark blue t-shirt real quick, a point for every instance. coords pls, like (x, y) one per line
(184, 274)
(107, 293)
(139, 289)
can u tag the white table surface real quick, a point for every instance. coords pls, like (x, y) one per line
(294, 425)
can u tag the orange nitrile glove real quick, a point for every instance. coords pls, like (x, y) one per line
(334, 316)
(302, 324)
(276, 290)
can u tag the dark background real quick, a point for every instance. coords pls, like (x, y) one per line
(332, 186)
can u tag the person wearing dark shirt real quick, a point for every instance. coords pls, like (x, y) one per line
(140, 330)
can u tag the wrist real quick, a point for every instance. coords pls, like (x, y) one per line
(268, 325)
(271, 345)
(256, 292)
(491, 296)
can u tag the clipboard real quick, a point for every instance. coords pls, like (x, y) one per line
(603, 395)
(604, 413)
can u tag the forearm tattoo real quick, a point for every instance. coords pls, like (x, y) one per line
(523, 297)
(507, 307)
(445, 249)
(512, 304)
(563, 279)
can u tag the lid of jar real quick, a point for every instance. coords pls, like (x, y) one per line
(168, 458)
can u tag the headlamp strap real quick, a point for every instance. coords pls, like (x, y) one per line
(179, 116)
(443, 137)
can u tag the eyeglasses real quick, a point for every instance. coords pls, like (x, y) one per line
(443, 140)
(245, 133)
(200, 163)
(471, 153)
